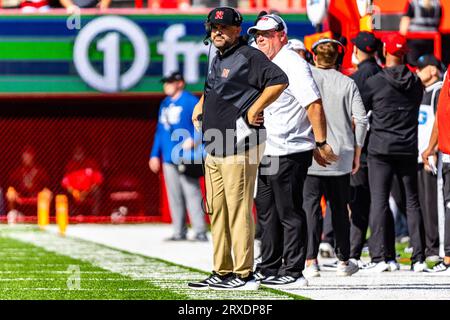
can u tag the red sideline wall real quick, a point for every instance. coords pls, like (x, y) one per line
(116, 133)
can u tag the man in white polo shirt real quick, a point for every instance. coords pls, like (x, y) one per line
(296, 126)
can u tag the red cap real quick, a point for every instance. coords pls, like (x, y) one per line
(395, 44)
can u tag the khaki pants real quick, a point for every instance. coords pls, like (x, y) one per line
(230, 182)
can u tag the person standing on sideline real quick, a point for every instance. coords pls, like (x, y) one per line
(365, 47)
(295, 125)
(440, 138)
(241, 83)
(421, 16)
(298, 46)
(343, 108)
(183, 191)
(429, 73)
(25, 183)
(394, 95)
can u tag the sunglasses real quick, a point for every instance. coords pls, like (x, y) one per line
(264, 34)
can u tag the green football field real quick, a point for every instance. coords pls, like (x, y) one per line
(40, 265)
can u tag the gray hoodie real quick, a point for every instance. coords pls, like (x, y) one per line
(342, 103)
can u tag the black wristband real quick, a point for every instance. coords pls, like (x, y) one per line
(321, 144)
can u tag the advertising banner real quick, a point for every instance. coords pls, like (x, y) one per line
(98, 54)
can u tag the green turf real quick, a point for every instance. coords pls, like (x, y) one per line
(29, 272)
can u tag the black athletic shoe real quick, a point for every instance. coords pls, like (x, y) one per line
(237, 283)
(285, 282)
(441, 267)
(212, 279)
(259, 276)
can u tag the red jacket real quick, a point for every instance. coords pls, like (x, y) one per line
(443, 117)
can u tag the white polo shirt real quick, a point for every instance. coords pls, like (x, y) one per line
(288, 128)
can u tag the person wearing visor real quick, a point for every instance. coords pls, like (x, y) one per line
(296, 127)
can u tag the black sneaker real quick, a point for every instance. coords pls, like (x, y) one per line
(237, 283)
(213, 278)
(259, 276)
(441, 267)
(285, 282)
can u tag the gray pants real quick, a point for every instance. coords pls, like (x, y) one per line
(183, 192)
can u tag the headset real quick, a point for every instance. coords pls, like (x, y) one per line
(327, 40)
(237, 20)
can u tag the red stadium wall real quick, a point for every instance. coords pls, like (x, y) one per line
(116, 134)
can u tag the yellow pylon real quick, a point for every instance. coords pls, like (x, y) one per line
(43, 208)
(62, 213)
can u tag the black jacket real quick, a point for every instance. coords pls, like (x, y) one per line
(235, 81)
(394, 96)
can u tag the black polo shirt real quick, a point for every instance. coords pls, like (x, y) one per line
(366, 69)
(235, 81)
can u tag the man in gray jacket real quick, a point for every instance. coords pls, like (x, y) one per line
(346, 127)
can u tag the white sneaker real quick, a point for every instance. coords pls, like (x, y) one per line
(311, 271)
(346, 269)
(326, 250)
(393, 265)
(375, 267)
(419, 266)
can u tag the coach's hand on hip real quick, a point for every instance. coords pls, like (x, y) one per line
(254, 117)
